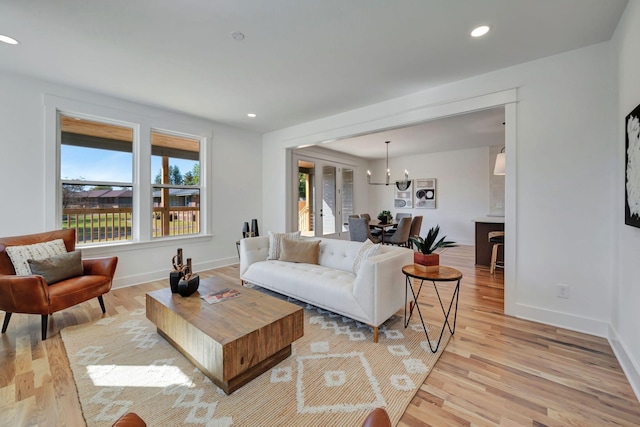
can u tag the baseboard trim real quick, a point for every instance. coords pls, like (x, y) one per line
(572, 322)
(150, 276)
(629, 367)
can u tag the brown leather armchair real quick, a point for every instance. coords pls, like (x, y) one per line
(377, 418)
(130, 419)
(32, 294)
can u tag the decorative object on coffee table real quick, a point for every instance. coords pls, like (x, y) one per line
(425, 255)
(189, 282)
(178, 271)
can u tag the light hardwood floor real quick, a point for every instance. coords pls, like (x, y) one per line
(496, 370)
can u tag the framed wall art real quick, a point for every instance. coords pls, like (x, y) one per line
(403, 198)
(425, 191)
(632, 171)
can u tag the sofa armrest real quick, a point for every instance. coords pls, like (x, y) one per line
(24, 294)
(253, 249)
(100, 266)
(379, 286)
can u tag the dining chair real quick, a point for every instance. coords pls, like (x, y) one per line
(400, 215)
(399, 237)
(359, 230)
(416, 225)
(366, 216)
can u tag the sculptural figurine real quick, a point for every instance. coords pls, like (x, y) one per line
(189, 282)
(178, 271)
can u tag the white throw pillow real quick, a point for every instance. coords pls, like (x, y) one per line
(275, 242)
(38, 251)
(367, 250)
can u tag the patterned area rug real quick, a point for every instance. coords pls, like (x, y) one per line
(335, 376)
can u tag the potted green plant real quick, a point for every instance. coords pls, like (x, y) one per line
(425, 255)
(385, 216)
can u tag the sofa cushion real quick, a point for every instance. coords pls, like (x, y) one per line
(275, 242)
(300, 251)
(321, 286)
(367, 250)
(58, 267)
(20, 254)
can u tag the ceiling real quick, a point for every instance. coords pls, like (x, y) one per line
(299, 61)
(472, 130)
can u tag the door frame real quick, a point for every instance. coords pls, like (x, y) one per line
(319, 163)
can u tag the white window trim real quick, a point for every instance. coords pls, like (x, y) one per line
(142, 126)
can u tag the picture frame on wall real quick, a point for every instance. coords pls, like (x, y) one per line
(632, 168)
(425, 192)
(403, 198)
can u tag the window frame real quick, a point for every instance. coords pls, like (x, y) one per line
(142, 123)
(199, 187)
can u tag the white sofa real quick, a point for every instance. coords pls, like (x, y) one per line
(371, 296)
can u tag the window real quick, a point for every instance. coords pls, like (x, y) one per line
(120, 180)
(175, 169)
(96, 177)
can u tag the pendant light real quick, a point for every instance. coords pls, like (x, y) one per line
(400, 185)
(499, 168)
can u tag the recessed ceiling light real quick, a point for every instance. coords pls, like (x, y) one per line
(7, 39)
(480, 31)
(251, 115)
(237, 36)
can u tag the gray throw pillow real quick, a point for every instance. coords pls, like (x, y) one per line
(59, 267)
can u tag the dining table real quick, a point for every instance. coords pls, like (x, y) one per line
(377, 224)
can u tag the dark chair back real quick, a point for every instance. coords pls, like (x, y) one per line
(359, 230)
(401, 235)
(416, 225)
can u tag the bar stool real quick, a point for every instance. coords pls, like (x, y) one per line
(497, 238)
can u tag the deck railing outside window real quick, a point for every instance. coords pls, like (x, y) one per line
(114, 224)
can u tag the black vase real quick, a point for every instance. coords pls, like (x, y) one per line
(254, 227)
(174, 279)
(245, 229)
(188, 286)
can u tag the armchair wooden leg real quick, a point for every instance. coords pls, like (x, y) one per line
(45, 318)
(375, 334)
(101, 301)
(7, 317)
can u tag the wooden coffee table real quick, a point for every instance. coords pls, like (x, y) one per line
(233, 341)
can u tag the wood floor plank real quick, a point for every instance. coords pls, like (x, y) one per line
(497, 370)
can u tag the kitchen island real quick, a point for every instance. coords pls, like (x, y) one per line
(483, 248)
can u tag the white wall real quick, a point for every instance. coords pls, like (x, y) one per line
(565, 123)
(625, 322)
(462, 189)
(233, 182)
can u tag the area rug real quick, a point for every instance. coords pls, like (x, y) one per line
(335, 376)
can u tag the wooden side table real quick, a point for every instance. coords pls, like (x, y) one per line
(436, 273)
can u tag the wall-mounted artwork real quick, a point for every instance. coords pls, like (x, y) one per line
(403, 198)
(632, 187)
(425, 191)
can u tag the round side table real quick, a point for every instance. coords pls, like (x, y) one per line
(436, 273)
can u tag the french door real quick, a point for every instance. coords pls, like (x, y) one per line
(323, 196)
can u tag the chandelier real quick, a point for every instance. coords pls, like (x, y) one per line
(400, 185)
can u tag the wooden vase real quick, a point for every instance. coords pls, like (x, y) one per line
(422, 261)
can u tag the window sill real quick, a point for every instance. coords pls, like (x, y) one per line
(119, 247)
